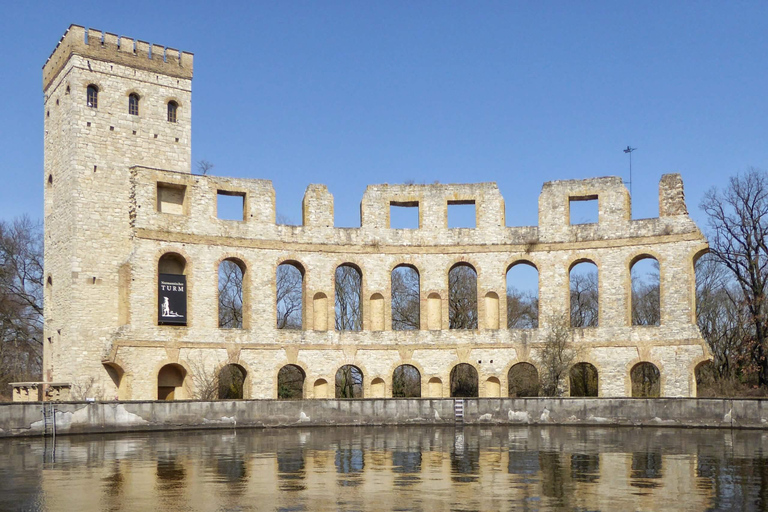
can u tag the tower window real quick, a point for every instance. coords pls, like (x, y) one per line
(93, 96)
(133, 104)
(172, 108)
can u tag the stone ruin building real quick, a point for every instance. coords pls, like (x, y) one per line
(133, 247)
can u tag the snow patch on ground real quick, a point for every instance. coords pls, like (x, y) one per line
(521, 416)
(223, 419)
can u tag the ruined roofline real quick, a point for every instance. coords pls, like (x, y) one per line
(601, 181)
(123, 50)
(483, 185)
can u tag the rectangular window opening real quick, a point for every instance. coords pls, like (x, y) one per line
(461, 214)
(583, 209)
(404, 215)
(170, 198)
(230, 205)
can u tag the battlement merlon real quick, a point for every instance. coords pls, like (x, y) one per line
(432, 201)
(117, 49)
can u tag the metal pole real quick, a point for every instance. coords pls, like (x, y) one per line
(629, 150)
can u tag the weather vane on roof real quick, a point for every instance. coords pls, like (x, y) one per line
(630, 150)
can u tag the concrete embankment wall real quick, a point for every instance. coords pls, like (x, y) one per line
(26, 419)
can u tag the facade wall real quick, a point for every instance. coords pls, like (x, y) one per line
(108, 225)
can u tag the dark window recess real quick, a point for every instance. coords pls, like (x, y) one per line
(92, 96)
(172, 110)
(133, 104)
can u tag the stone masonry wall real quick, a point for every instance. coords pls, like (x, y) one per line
(119, 195)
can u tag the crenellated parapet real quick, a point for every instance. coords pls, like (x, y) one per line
(191, 209)
(91, 43)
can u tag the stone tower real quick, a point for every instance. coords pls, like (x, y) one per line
(111, 103)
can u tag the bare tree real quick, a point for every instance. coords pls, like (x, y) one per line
(405, 299)
(738, 222)
(86, 388)
(205, 379)
(522, 309)
(584, 300)
(204, 166)
(462, 297)
(230, 295)
(724, 321)
(21, 301)
(348, 288)
(556, 357)
(288, 283)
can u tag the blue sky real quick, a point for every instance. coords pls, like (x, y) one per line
(353, 93)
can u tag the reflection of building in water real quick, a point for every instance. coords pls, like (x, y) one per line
(384, 469)
(118, 172)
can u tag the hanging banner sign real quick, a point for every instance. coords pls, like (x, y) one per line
(172, 299)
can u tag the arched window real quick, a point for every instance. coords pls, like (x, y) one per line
(289, 286)
(645, 297)
(405, 298)
(349, 304)
(584, 294)
(172, 108)
(522, 296)
(172, 290)
(231, 281)
(462, 297)
(133, 104)
(92, 96)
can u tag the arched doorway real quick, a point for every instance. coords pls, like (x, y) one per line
(232, 382)
(406, 382)
(349, 382)
(170, 382)
(584, 380)
(705, 379)
(523, 380)
(646, 381)
(464, 381)
(290, 383)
